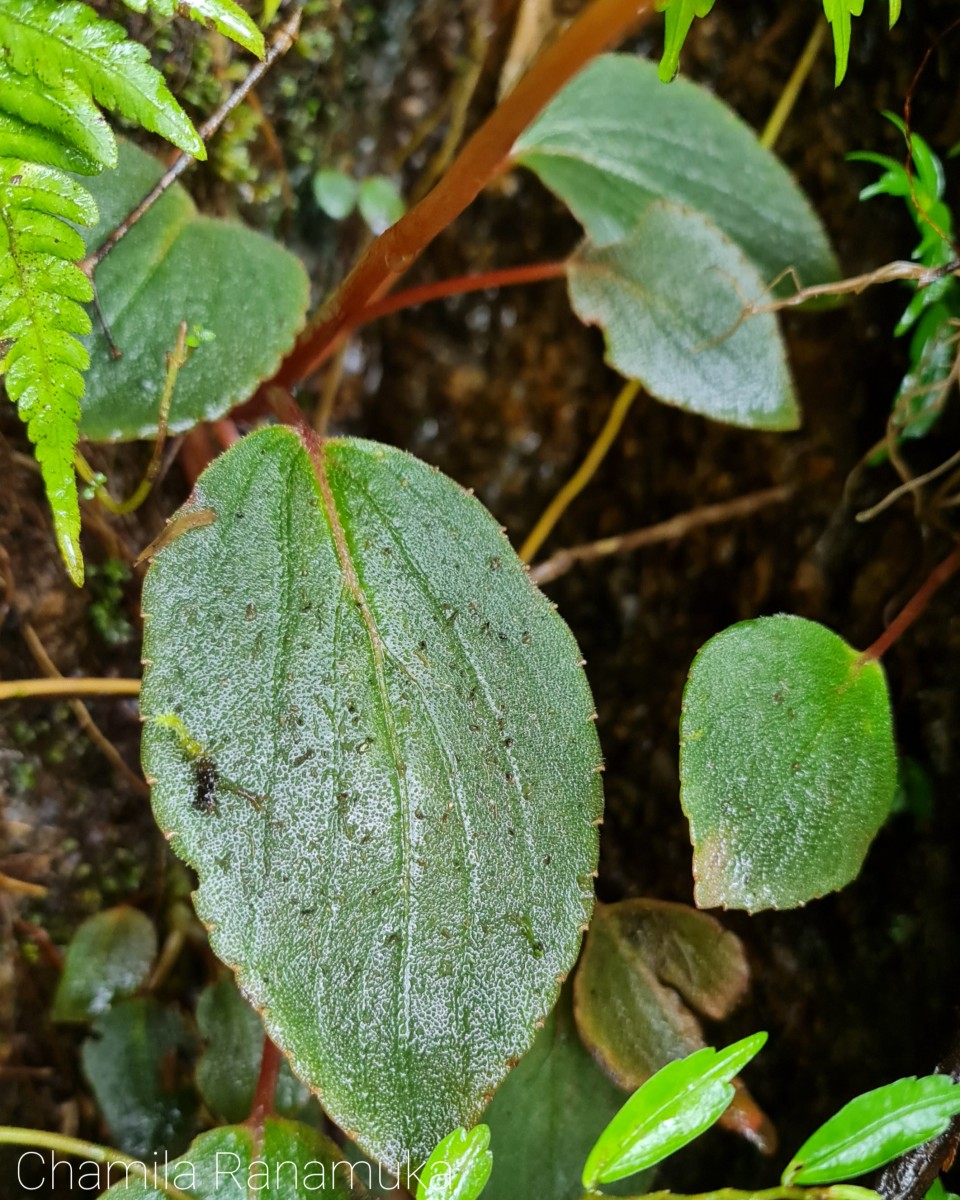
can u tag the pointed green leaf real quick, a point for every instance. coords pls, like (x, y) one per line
(54, 39)
(894, 12)
(285, 1161)
(670, 300)
(876, 1128)
(678, 18)
(109, 956)
(459, 1167)
(228, 1069)
(400, 774)
(615, 139)
(787, 764)
(548, 1113)
(175, 266)
(135, 1061)
(229, 19)
(839, 13)
(671, 1109)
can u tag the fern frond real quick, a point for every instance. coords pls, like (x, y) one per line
(52, 39)
(225, 16)
(42, 292)
(79, 138)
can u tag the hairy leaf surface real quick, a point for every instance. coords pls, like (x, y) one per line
(371, 736)
(174, 266)
(616, 139)
(669, 300)
(787, 763)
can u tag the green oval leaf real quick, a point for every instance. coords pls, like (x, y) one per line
(228, 1069)
(175, 266)
(671, 1109)
(459, 1167)
(670, 300)
(547, 1115)
(876, 1128)
(616, 139)
(109, 956)
(283, 1159)
(336, 193)
(372, 738)
(135, 1061)
(380, 203)
(787, 763)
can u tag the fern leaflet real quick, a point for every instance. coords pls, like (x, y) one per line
(42, 292)
(224, 15)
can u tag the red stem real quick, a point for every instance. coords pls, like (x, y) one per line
(600, 25)
(913, 608)
(425, 292)
(263, 1097)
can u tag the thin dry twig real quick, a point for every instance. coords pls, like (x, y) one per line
(670, 530)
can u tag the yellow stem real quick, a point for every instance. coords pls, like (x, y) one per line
(584, 473)
(788, 97)
(25, 689)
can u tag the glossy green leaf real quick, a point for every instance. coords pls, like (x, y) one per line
(109, 956)
(876, 1128)
(839, 13)
(226, 16)
(228, 1069)
(380, 204)
(671, 1109)
(57, 39)
(400, 773)
(285, 1161)
(648, 966)
(78, 137)
(459, 1167)
(548, 1113)
(136, 1061)
(615, 139)
(177, 266)
(787, 763)
(335, 193)
(678, 17)
(670, 299)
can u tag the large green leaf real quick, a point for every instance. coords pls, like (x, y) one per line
(109, 956)
(372, 738)
(177, 266)
(670, 299)
(787, 764)
(551, 1109)
(616, 139)
(876, 1128)
(283, 1160)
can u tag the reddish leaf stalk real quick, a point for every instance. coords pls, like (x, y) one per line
(459, 286)
(266, 1090)
(913, 608)
(602, 24)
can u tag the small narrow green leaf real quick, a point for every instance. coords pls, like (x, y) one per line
(615, 140)
(136, 1062)
(876, 1128)
(684, 340)
(405, 784)
(380, 203)
(54, 39)
(109, 956)
(175, 265)
(787, 763)
(281, 1161)
(229, 19)
(678, 17)
(894, 12)
(839, 13)
(671, 1109)
(459, 1167)
(227, 1070)
(336, 193)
